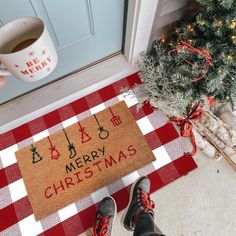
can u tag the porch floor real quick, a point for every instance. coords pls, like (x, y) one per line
(201, 203)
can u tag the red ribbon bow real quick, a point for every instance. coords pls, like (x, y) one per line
(186, 127)
(200, 51)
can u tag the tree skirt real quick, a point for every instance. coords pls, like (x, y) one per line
(16, 216)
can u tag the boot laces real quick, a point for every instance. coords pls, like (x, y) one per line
(144, 200)
(101, 227)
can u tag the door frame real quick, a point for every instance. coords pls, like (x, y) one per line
(140, 16)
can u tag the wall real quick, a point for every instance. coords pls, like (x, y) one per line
(167, 12)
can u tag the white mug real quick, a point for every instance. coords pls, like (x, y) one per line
(26, 49)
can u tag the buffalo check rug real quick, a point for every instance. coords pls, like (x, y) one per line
(16, 215)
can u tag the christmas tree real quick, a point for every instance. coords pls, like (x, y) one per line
(198, 59)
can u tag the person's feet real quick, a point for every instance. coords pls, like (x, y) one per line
(139, 202)
(105, 217)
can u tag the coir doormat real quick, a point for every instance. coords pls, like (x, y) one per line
(82, 158)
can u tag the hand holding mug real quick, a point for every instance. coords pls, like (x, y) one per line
(26, 49)
(2, 81)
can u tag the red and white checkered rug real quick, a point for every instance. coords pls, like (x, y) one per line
(16, 216)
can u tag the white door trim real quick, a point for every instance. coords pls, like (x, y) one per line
(139, 24)
(141, 14)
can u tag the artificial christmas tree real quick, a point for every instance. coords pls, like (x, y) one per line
(197, 61)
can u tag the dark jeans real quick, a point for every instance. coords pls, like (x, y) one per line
(146, 226)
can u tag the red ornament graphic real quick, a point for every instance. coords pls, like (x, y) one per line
(84, 135)
(16, 66)
(43, 52)
(115, 119)
(54, 152)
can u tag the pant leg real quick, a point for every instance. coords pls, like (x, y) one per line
(145, 226)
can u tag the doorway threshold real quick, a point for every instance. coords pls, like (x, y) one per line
(61, 92)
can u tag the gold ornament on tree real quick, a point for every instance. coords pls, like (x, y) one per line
(218, 23)
(202, 22)
(229, 57)
(190, 28)
(233, 38)
(232, 24)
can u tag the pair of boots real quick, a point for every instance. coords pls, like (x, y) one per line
(138, 217)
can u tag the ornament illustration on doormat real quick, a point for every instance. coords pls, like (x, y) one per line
(71, 146)
(84, 135)
(87, 167)
(54, 152)
(115, 119)
(35, 155)
(103, 133)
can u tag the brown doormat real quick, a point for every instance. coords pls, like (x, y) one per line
(82, 158)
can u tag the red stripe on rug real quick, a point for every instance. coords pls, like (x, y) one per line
(184, 164)
(51, 119)
(3, 179)
(73, 226)
(37, 125)
(153, 140)
(80, 105)
(166, 133)
(15, 212)
(56, 230)
(22, 132)
(133, 80)
(8, 217)
(139, 113)
(12, 173)
(6, 140)
(107, 93)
